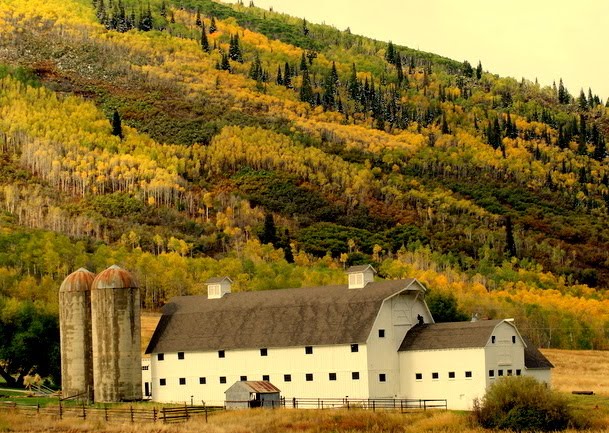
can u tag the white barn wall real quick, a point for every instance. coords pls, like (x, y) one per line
(278, 362)
(460, 391)
(506, 355)
(540, 374)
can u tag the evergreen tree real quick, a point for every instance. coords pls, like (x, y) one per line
(353, 84)
(306, 90)
(563, 94)
(479, 70)
(163, 11)
(256, 68)
(224, 63)
(145, 24)
(117, 128)
(204, 41)
(582, 101)
(287, 76)
(305, 29)
(398, 66)
(467, 69)
(445, 129)
(279, 77)
(303, 62)
(390, 53)
(198, 21)
(212, 26)
(101, 14)
(268, 235)
(234, 49)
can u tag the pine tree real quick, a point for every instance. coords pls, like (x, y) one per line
(163, 11)
(305, 29)
(117, 128)
(467, 69)
(287, 76)
(212, 26)
(279, 79)
(204, 41)
(563, 94)
(398, 66)
(306, 90)
(101, 14)
(145, 24)
(353, 84)
(445, 129)
(198, 21)
(479, 70)
(390, 53)
(582, 101)
(303, 62)
(269, 231)
(256, 68)
(234, 49)
(224, 63)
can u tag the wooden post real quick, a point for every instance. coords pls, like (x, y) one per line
(424, 404)
(37, 407)
(106, 412)
(164, 416)
(154, 414)
(60, 410)
(84, 411)
(206, 414)
(294, 402)
(186, 410)
(373, 405)
(131, 412)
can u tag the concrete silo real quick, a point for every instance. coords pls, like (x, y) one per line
(115, 313)
(75, 334)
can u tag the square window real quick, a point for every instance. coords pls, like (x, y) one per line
(451, 374)
(435, 376)
(499, 372)
(309, 377)
(287, 377)
(518, 372)
(202, 381)
(491, 373)
(513, 339)
(332, 376)
(162, 382)
(180, 355)
(266, 378)
(243, 378)
(509, 372)
(221, 354)
(418, 376)
(354, 348)
(381, 333)
(468, 374)
(308, 350)
(355, 375)
(145, 367)
(160, 356)
(264, 351)
(382, 377)
(222, 379)
(182, 381)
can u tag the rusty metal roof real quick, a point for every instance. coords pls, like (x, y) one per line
(78, 281)
(114, 277)
(259, 386)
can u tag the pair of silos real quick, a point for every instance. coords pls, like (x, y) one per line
(99, 321)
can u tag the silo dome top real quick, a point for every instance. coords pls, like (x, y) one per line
(114, 277)
(78, 281)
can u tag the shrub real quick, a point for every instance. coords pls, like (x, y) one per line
(522, 404)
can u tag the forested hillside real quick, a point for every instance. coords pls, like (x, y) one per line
(184, 139)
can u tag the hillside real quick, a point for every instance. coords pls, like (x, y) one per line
(189, 139)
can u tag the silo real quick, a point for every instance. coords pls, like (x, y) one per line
(75, 334)
(115, 313)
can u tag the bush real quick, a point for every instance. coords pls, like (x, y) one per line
(522, 404)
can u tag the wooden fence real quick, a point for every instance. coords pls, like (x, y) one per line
(121, 414)
(403, 405)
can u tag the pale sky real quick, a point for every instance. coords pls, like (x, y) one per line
(543, 39)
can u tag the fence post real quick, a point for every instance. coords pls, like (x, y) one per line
(347, 404)
(186, 410)
(38, 408)
(401, 406)
(106, 412)
(424, 404)
(60, 410)
(84, 412)
(294, 405)
(131, 413)
(154, 414)
(164, 415)
(206, 414)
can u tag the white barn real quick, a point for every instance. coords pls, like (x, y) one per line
(362, 340)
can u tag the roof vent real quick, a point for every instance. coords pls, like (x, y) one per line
(218, 287)
(359, 276)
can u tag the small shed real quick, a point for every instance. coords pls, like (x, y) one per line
(247, 393)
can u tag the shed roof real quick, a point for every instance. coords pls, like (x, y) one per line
(259, 386)
(360, 268)
(534, 359)
(216, 280)
(452, 335)
(274, 318)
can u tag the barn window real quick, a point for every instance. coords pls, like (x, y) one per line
(513, 339)
(264, 351)
(160, 356)
(182, 381)
(499, 372)
(518, 372)
(222, 379)
(162, 382)
(491, 373)
(180, 355)
(308, 350)
(381, 333)
(355, 375)
(418, 376)
(144, 367)
(221, 354)
(382, 377)
(266, 377)
(493, 339)
(287, 377)
(309, 377)
(451, 374)
(435, 376)
(243, 378)
(468, 374)
(332, 376)
(202, 381)
(355, 347)
(509, 372)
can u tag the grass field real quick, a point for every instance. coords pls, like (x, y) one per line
(579, 370)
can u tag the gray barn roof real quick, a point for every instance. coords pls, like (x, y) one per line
(274, 318)
(534, 359)
(452, 335)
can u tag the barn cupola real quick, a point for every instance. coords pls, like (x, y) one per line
(218, 287)
(359, 276)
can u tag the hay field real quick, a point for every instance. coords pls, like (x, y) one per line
(148, 321)
(579, 370)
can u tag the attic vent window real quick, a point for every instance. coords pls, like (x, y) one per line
(309, 377)
(493, 339)
(180, 355)
(435, 376)
(202, 381)
(359, 276)
(513, 339)
(160, 356)
(243, 378)
(308, 350)
(162, 382)
(381, 333)
(263, 351)
(355, 347)
(182, 381)
(221, 354)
